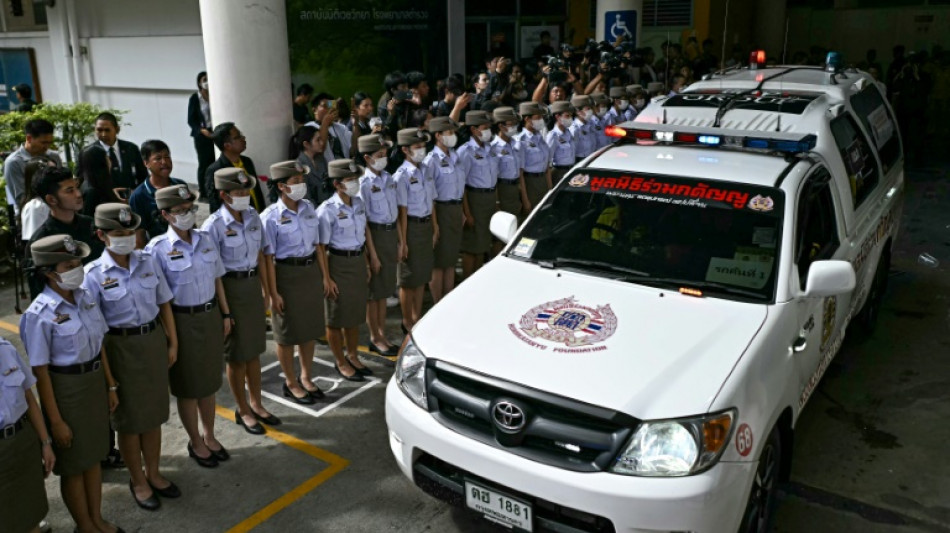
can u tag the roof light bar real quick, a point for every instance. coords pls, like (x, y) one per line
(756, 59)
(615, 131)
(679, 134)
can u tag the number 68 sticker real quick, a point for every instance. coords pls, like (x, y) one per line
(744, 440)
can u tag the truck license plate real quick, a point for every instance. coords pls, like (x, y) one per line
(498, 507)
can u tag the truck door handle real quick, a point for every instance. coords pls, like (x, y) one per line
(800, 344)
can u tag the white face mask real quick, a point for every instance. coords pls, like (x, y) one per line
(240, 203)
(121, 245)
(297, 191)
(71, 279)
(538, 124)
(601, 111)
(485, 135)
(351, 188)
(184, 222)
(204, 85)
(640, 103)
(449, 140)
(511, 131)
(565, 121)
(583, 114)
(418, 155)
(378, 164)
(624, 104)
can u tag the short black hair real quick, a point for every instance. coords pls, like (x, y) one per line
(305, 89)
(108, 116)
(37, 127)
(414, 78)
(153, 146)
(319, 98)
(46, 181)
(304, 134)
(201, 74)
(23, 90)
(222, 134)
(453, 86)
(392, 80)
(358, 97)
(544, 34)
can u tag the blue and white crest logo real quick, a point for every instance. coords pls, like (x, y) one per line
(565, 321)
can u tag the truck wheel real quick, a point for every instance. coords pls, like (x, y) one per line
(760, 509)
(867, 317)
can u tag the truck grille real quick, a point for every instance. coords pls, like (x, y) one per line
(553, 430)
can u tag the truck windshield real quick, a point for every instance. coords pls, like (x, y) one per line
(717, 237)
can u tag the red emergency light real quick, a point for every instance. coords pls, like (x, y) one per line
(615, 131)
(756, 59)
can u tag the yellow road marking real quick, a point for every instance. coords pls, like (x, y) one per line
(335, 465)
(9, 327)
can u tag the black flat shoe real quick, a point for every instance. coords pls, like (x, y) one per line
(207, 462)
(221, 454)
(363, 371)
(306, 400)
(270, 420)
(316, 394)
(171, 491)
(256, 429)
(152, 503)
(355, 377)
(393, 351)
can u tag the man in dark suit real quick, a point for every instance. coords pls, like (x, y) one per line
(128, 169)
(232, 144)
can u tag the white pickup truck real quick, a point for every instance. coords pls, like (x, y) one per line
(638, 356)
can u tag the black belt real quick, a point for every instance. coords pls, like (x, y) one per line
(563, 167)
(298, 261)
(14, 428)
(195, 309)
(479, 189)
(421, 220)
(241, 274)
(515, 181)
(346, 253)
(79, 368)
(381, 227)
(534, 174)
(449, 202)
(144, 329)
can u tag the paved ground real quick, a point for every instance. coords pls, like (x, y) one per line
(869, 454)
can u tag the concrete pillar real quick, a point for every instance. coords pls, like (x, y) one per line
(629, 23)
(248, 65)
(769, 27)
(455, 11)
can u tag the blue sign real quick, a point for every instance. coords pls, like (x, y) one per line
(617, 23)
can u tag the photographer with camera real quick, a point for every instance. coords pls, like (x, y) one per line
(554, 82)
(454, 102)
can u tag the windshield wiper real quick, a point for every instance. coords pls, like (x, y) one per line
(601, 266)
(694, 284)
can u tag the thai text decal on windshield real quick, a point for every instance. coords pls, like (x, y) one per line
(699, 190)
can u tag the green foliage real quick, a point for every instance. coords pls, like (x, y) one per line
(75, 125)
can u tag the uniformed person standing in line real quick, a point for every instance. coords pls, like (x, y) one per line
(637, 100)
(511, 189)
(142, 344)
(62, 333)
(294, 246)
(617, 114)
(238, 232)
(343, 227)
(378, 193)
(535, 155)
(599, 120)
(480, 168)
(23, 439)
(442, 167)
(561, 141)
(192, 266)
(418, 228)
(581, 129)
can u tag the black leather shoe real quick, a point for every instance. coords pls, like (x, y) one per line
(316, 394)
(363, 371)
(270, 420)
(355, 377)
(208, 462)
(393, 351)
(306, 400)
(256, 429)
(221, 454)
(171, 491)
(152, 503)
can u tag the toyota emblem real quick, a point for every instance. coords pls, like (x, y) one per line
(508, 417)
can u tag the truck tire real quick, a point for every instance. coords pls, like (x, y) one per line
(866, 319)
(760, 509)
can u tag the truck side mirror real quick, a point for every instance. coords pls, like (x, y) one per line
(503, 225)
(829, 278)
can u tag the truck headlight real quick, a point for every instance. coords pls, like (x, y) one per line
(411, 374)
(675, 447)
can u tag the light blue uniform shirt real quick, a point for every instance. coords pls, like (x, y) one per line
(444, 170)
(509, 160)
(561, 144)
(58, 333)
(127, 298)
(345, 225)
(597, 125)
(414, 190)
(478, 165)
(535, 153)
(378, 192)
(190, 269)
(289, 233)
(15, 384)
(583, 138)
(238, 242)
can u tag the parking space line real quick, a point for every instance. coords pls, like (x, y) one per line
(370, 382)
(335, 464)
(9, 327)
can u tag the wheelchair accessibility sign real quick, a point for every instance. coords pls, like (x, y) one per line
(620, 23)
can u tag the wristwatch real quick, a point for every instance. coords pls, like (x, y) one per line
(114, 388)
(48, 441)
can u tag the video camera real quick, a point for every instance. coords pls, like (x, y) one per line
(556, 75)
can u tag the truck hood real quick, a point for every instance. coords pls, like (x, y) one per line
(651, 353)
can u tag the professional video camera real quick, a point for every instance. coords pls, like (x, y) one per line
(556, 74)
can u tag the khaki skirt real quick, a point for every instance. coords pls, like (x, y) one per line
(248, 334)
(139, 363)
(416, 270)
(509, 199)
(477, 238)
(197, 372)
(536, 187)
(301, 287)
(383, 284)
(83, 402)
(450, 235)
(22, 489)
(348, 309)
